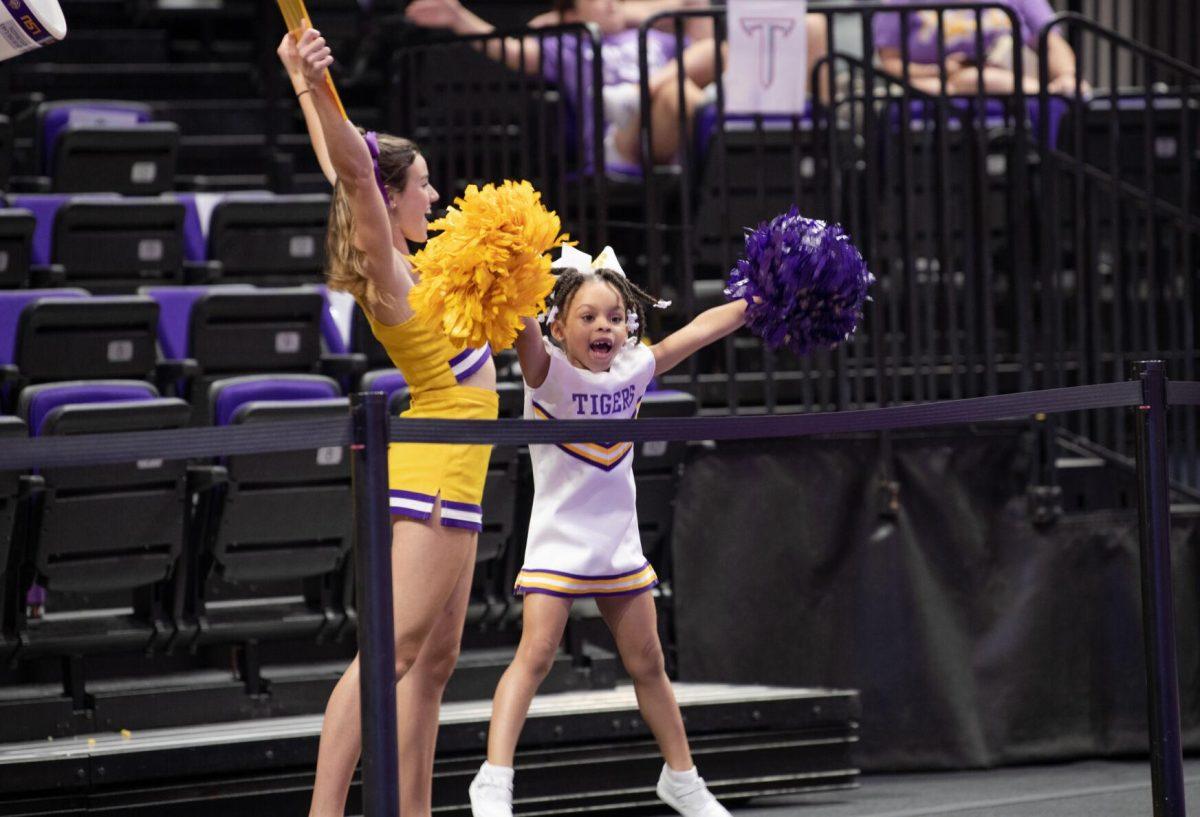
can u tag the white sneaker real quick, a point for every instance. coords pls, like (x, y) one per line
(691, 798)
(621, 103)
(491, 792)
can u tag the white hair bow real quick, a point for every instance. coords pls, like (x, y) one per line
(581, 261)
(572, 258)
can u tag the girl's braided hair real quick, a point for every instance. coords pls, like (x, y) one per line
(570, 280)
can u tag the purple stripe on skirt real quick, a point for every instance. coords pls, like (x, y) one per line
(474, 367)
(566, 575)
(461, 506)
(600, 594)
(462, 523)
(410, 495)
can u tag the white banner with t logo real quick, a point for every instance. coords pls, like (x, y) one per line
(768, 59)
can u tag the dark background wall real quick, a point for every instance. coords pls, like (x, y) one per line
(975, 637)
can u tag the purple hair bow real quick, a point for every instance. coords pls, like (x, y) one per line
(372, 140)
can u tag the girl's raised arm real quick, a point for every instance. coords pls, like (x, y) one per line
(709, 326)
(531, 351)
(290, 57)
(355, 172)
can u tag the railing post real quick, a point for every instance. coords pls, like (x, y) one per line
(1158, 612)
(373, 574)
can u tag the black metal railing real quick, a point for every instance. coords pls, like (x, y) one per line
(930, 181)
(514, 104)
(1119, 256)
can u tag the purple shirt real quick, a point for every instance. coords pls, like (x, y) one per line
(619, 55)
(959, 27)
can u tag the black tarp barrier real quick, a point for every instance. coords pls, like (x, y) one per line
(976, 638)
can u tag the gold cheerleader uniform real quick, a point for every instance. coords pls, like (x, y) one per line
(418, 473)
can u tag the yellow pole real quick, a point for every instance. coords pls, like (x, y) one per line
(294, 15)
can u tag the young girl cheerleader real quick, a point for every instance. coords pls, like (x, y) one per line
(382, 199)
(583, 534)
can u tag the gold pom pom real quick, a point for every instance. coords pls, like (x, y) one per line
(489, 267)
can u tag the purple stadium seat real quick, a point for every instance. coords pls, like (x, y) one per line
(64, 334)
(105, 145)
(44, 207)
(234, 329)
(275, 525)
(257, 237)
(39, 403)
(80, 563)
(12, 304)
(107, 243)
(56, 117)
(391, 383)
(232, 394)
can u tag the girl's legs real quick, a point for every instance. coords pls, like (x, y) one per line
(634, 625)
(632, 621)
(427, 562)
(544, 619)
(419, 696)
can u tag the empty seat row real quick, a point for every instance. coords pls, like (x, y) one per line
(111, 244)
(165, 555)
(94, 145)
(181, 338)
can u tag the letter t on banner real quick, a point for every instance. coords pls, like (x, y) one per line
(768, 56)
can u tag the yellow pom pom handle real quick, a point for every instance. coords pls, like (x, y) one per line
(489, 267)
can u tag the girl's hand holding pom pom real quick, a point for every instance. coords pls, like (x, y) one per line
(804, 284)
(489, 267)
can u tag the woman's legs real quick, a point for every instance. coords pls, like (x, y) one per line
(419, 696)
(634, 625)
(544, 619)
(698, 63)
(996, 80)
(427, 562)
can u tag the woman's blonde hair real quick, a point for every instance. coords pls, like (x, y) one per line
(346, 266)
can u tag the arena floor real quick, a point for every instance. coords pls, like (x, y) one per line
(1091, 788)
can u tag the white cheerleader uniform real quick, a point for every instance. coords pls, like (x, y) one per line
(583, 531)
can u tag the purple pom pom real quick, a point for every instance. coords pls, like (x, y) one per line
(804, 283)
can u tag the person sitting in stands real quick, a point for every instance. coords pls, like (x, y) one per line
(617, 23)
(965, 65)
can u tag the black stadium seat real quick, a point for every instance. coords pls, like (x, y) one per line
(6, 150)
(238, 330)
(90, 145)
(119, 245)
(274, 530)
(270, 241)
(102, 540)
(16, 236)
(51, 335)
(9, 489)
